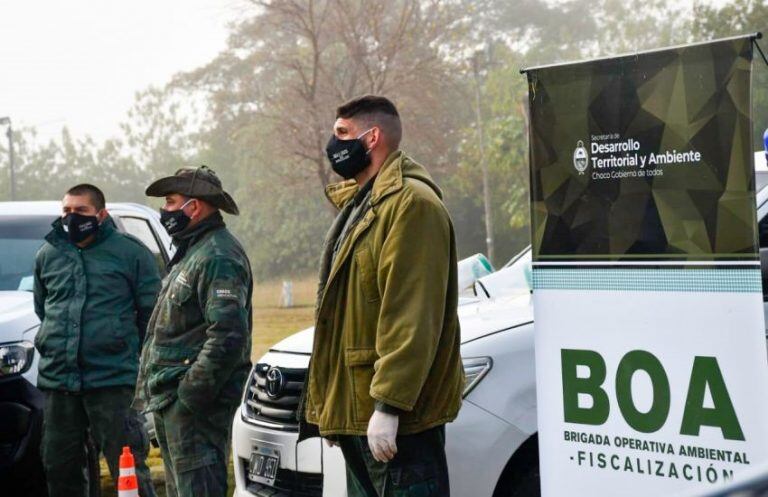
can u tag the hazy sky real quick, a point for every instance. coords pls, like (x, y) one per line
(79, 62)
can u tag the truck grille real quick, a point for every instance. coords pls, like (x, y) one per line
(273, 396)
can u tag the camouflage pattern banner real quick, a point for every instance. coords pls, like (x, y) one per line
(650, 346)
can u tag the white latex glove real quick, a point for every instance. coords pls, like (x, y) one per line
(382, 431)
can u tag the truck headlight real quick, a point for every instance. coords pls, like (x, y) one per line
(475, 369)
(16, 358)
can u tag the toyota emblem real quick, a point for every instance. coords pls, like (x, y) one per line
(275, 383)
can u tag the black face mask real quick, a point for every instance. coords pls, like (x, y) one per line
(175, 221)
(80, 227)
(348, 157)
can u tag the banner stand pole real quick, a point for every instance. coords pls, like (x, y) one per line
(754, 40)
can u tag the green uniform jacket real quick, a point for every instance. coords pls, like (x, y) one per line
(94, 304)
(198, 345)
(386, 326)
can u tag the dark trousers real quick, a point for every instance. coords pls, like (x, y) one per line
(195, 449)
(106, 412)
(418, 470)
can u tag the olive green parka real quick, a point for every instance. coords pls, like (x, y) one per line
(386, 323)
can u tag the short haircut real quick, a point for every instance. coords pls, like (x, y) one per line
(97, 196)
(373, 110)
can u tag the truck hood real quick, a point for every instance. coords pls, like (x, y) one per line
(478, 319)
(498, 314)
(17, 316)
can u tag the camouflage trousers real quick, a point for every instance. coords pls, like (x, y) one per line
(418, 470)
(195, 448)
(106, 413)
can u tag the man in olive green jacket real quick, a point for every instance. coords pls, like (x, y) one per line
(94, 289)
(385, 375)
(198, 348)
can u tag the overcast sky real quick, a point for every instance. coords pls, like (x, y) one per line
(79, 62)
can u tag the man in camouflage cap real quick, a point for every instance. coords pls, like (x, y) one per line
(197, 353)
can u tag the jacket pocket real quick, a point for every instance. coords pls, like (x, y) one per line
(107, 340)
(179, 293)
(51, 332)
(178, 314)
(40, 337)
(168, 364)
(367, 270)
(360, 366)
(176, 355)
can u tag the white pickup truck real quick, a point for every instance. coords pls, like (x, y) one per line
(492, 447)
(22, 228)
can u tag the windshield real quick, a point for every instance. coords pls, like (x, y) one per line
(20, 237)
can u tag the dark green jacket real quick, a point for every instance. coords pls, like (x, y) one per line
(94, 304)
(198, 345)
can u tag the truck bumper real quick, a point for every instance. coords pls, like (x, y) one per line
(307, 469)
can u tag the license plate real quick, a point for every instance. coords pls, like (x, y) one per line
(262, 467)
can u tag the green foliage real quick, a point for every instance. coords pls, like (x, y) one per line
(283, 220)
(45, 171)
(735, 18)
(504, 122)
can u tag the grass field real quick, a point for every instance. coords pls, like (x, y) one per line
(271, 323)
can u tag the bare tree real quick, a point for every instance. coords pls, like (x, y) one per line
(290, 65)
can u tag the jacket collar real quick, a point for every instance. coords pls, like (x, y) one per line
(388, 180)
(57, 236)
(190, 236)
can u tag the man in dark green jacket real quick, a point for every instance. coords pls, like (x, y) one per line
(198, 348)
(94, 290)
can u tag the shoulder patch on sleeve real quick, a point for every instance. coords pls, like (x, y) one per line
(225, 293)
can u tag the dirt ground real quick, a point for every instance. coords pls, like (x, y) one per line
(271, 323)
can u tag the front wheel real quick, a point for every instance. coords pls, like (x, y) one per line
(521, 475)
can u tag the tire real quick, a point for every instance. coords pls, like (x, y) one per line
(520, 477)
(26, 478)
(26, 481)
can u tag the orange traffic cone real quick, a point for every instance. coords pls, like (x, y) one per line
(127, 485)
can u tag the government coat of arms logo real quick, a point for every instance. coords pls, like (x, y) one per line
(580, 157)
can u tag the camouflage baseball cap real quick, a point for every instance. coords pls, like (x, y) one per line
(200, 182)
